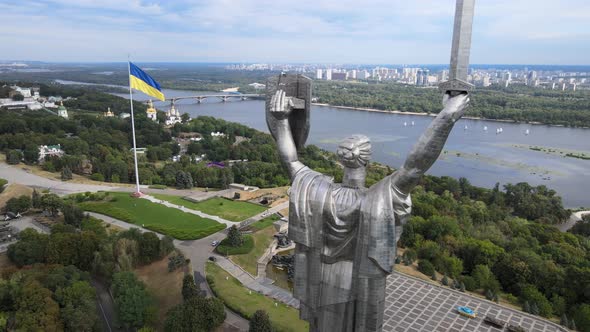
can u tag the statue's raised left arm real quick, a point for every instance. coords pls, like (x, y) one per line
(429, 146)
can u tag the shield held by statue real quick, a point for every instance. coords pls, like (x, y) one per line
(297, 86)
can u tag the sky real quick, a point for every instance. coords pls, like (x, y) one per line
(292, 31)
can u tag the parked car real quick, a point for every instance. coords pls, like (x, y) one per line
(215, 243)
(212, 258)
(467, 312)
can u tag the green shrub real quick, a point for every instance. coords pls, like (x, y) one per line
(97, 177)
(3, 183)
(469, 282)
(425, 267)
(224, 248)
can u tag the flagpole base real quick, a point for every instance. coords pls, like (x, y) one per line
(136, 194)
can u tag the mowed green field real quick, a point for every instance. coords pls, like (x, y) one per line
(155, 217)
(238, 298)
(217, 206)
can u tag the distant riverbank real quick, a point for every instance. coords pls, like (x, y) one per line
(364, 109)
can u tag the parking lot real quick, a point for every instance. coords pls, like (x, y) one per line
(414, 305)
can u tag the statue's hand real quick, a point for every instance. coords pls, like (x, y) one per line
(280, 105)
(455, 104)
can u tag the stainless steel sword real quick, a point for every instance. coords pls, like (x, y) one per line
(461, 47)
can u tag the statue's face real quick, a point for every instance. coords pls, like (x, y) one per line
(355, 151)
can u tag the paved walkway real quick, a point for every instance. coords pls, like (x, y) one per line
(187, 210)
(574, 218)
(259, 285)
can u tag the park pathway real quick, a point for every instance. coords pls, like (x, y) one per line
(264, 214)
(260, 285)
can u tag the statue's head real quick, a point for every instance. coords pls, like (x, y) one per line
(355, 151)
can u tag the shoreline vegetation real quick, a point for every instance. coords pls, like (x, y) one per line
(365, 109)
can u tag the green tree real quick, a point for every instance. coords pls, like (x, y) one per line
(18, 97)
(235, 237)
(31, 249)
(185, 117)
(31, 154)
(73, 215)
(18, 205)
(564, 321)
(536, 299)
(13, 157)
(133, 303)
(581, 318)
(485, 279)
(66, 174)
(149, 247)
(51, 203)
(426, 267)
(189, 288)
(445, 280)
(36, 199)
(78, 303)
(166, 245)
(196, 314)
(260, 322)
(36, 310)
(526, 307)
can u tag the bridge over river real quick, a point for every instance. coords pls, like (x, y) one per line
(223, 97)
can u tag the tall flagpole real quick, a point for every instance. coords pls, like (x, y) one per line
(137, 192)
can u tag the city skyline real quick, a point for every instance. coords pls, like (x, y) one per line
(325, 31)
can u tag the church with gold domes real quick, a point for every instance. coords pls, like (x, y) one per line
(151, 111)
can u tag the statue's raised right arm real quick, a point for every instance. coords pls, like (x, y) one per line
(280, 108)
(429, 146)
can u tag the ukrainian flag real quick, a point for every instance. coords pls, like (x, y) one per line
(143, 82)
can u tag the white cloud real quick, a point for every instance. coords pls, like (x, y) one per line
(378, 31)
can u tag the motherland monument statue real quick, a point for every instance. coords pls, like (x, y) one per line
(345, 233)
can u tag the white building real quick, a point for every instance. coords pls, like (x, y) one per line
(328, 74)
(25, 92)
(217, 134)
(108, 113)
(173, 116)
(62, 111)
(319, 74)
(49, 151)
(257, 86)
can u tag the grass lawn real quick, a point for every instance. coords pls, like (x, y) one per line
(217, 206)
(237, 298)
(264, 223)
(156, 217)
(262, 240)
(164, 286)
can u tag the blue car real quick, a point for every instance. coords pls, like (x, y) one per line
(467, 312)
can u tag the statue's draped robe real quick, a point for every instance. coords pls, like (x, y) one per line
(346, 242)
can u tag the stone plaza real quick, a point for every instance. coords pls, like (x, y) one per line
(414, 305)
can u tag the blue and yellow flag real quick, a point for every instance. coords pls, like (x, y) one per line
(143, 82)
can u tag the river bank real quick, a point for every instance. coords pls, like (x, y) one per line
(364, 109)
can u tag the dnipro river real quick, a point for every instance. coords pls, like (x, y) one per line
(481, 156)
